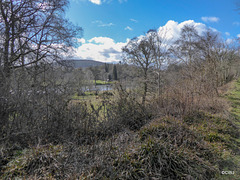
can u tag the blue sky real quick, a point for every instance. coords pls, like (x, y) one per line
(108, 24)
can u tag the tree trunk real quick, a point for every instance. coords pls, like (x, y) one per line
(6, 68)
(145, 88)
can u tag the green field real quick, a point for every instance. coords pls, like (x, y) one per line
(100, 82)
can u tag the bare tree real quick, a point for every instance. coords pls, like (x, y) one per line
(160, 53)
(33, 31)
(149, 52)
(140, 51)
(184, 49)
(95, 71)
(32, 34)
(218, 57)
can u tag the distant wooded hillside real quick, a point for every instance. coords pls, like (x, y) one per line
(78, 63)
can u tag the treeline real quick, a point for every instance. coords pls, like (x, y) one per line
(198, 63)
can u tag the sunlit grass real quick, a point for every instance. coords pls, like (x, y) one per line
(100, 82)
(233, 96)
(96, 103)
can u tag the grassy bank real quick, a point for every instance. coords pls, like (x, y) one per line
(233, 96)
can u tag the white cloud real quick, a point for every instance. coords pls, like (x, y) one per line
(122, 1)
(172, 30)
(227, 33)
(232, 40)
(97, 22)
(102, 49)
(236, 23)
(229, 41)
(81, 40)
(134, 20)
(102, 24)
(102, 40)
(106, 25)
(210, 19)
(128, 28)
(106, 49)
(213, 29)
(98, 2)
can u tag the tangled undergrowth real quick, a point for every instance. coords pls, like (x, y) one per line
(199, 146)
(165, 148)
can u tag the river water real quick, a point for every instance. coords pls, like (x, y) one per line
(98, 88)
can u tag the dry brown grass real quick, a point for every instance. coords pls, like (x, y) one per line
(223, 90)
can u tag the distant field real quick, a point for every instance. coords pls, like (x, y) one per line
(100, 82)
(95, 102)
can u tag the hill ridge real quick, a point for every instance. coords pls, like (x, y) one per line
(81, 63)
